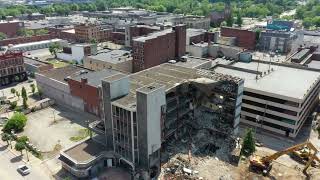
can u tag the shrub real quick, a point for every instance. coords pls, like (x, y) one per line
(13, 105)
(16, 123)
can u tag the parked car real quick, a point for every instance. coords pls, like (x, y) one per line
(23, 169)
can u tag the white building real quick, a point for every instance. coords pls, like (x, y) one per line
(277, 97)
(37, 45)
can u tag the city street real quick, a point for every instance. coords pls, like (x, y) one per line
(10, 162)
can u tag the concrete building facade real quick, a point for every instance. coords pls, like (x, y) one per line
(281, 41)
(54, 85)
(120, 60)
(197, 22)
(143, 111)
(277, 97)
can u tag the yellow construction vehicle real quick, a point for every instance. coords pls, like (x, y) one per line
(264, 164)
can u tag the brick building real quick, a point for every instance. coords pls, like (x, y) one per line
(86, 87)
(158, 47)
(117, 37)
(88, 32)
(22, 40)
(138, 30)
(11, 28)
(244, 38)
(11, 68)
(62, 32)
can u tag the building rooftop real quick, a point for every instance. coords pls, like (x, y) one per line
(195, 32)
(286, 81)
(194, 62)
(85, 151)
(168, 75)
(112, 56)
(94, 78)
(36, 43)
(60, 74)
(153, 35)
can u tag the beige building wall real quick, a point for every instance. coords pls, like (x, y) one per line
(98, 65)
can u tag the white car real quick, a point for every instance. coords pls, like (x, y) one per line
(23, 169)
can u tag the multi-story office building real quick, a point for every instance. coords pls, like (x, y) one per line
(145, 110)
(158, 47)
(281, 41)
(277, 97)
(12, 67)
(89, 32)
(197, 22)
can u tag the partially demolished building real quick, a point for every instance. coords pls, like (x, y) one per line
(144, 110)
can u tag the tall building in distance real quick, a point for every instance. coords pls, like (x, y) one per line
(158, 47)
(12, 68)
(89, 32)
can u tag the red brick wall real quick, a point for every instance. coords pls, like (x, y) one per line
(159, 50)
(11, 63)
(156, 51)
(89, 94)
(20, 40)
(136, 31)
(181, 32)
(118, 37)
(11, 28)
(245, 38)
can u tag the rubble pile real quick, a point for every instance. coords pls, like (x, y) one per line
(197, 155)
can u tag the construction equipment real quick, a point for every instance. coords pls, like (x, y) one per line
(264, 164)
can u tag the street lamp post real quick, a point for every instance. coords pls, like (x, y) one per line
(257, 121)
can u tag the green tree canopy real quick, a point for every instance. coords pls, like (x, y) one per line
(248, 146)
(16, 123)
(54, 48)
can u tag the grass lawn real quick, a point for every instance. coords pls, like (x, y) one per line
(57, 63)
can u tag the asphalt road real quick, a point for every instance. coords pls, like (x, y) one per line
(9, 163)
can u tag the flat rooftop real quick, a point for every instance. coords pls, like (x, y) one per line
(170, 76)
(112, 56)
(94, 78)
(285, 81)
(60, 74)
(194, 62)
(36, 43)
(85, 151)
(153, 35)
(195, 32)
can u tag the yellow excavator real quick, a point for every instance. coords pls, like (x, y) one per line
(264, 164)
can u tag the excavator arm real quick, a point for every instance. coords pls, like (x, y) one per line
(286, 151)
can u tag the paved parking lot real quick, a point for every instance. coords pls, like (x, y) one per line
(54, 125)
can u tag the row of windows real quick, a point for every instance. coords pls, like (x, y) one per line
(10, 62)
(277, 109)
(276, 126)
(273, 99)
(271, 116)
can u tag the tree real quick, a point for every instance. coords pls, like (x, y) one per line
(2, 36)
(25, 32)
(16, 123)
(33, 88)
(229, 21)
(13, 105)
(40, 93)
(54, 48)
(18, 94)
(248, 146)
(239, 19)
(25, 103)
(24, 93)
(20, 147)
(23, 139)
(6, 137)
(13, 91)
(42, 32)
